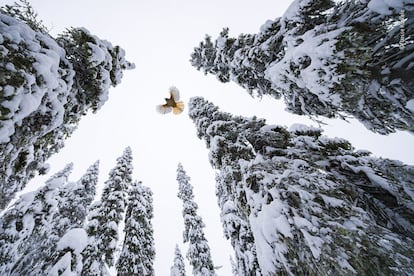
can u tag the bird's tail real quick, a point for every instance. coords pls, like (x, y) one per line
(178, 108)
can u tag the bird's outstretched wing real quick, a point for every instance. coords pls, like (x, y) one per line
(164, 109)
(178, 108)
(174, 93)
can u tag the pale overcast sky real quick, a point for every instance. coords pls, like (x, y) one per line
(159, 36)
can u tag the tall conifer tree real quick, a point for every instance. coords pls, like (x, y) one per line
(27, 225)
(334, 59)
(59, 256)
(105, 217)
(48, 84)
(31, 229)
(178, 267)
(313, 204)
(198, 250)
(138, 252)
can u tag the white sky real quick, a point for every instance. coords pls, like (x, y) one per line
(159, 36)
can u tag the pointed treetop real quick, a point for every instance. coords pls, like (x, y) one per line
(178, 267)
(185, 189)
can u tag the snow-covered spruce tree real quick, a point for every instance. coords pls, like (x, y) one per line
(68, 236)
(105, 216)
(314, 205)
(77, 197)
(334, 59)
(47, 84)
(198, 252)
(138, 252)
(39, 220)
(26, 225)
(178, 267)
(229, 187)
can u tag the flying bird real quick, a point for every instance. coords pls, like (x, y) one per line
(172, 104)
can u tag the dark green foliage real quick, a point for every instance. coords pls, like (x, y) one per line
(23, 11)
